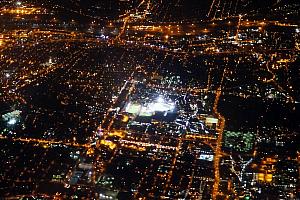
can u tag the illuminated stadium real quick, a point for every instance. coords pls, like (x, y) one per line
(149, 109)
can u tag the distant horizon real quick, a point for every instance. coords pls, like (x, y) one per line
(182, 10)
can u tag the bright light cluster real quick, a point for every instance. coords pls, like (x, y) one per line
(12, 121)
(159, 105)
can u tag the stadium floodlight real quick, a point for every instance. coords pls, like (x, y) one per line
(160, 99)
(162, 105)
(12, 121)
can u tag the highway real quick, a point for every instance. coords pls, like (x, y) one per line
(44, 142)
(218, 147)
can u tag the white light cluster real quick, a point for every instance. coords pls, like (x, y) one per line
(161, 105)
(12, 121)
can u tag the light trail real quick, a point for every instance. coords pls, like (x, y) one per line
(217, 9)
(43, 141)
(211, 7)
(224, 6)
(208, 79)
(191, 179)
(148, 144)
(123, 28)
(201, 189)
(229, 9)
(170, 173)
(238, 29)
(236, 5)
(218, 148)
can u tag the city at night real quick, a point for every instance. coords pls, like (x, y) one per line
(150, 99)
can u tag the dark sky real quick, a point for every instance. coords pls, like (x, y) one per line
(163, 9)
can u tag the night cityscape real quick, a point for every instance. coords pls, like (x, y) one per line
(150, 99)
